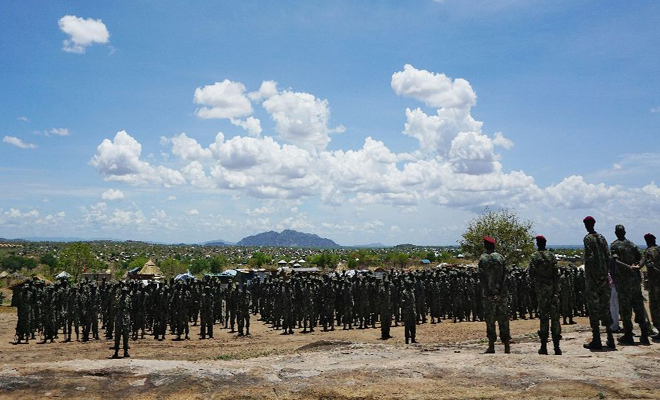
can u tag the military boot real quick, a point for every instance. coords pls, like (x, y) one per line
(595, 343)
(507, 347)
(626, 339)
(126, 355)
(555, 342)
(570, 321)
(116, 355)
(544, 347)
(491, 347)
(644, 339)
(610, 341)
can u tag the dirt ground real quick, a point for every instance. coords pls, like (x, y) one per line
(447, 363)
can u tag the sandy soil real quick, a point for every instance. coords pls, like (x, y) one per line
(447, 363)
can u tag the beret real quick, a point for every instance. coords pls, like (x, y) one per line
(489, 239)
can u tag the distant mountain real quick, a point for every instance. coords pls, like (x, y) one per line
(287, 238)
(218, 243)
(53, 239)
(371, 246)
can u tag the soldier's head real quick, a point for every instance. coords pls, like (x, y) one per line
(589, 223)
(489, 244)
(650, 239)
(540, 242)
(620, 232)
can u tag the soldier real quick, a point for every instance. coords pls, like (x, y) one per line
(495, 295)
(565, 293)
(348, 305)
(23, 324)
(122, 321)
(385, 306)
(596, 268)
(651, 261)
(72, 320)
(543, 272)
(243, 311)
(409, 310)
(206, 305)
(628, 281)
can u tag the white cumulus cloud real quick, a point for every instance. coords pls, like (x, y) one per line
(82, 33)
(112, 194)
(119, 160)
(435, 90)
(301, 118)
(222, 100)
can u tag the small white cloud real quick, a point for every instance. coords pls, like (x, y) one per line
(501, 141)
(192, 212)
(435, 90)
(23, 118)
(222, 100)
(616, 166)
(112, 194)
(655, 110)
(82, 33)
(171, 198)
(14, 141)
(58, 132)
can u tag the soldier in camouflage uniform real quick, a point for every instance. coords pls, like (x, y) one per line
(23, 308)
(596, 269)
(493, 273)
(409, 311)
(122, 321)
(385, 306)
(565, 295)
(543, 272)
(348, 305)
(72, 312)
(628, 280)
(651, 261)
(206, 314)
(243, 300)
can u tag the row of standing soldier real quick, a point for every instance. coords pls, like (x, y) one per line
(126, 310)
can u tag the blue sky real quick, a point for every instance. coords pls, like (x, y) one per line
(550, 108)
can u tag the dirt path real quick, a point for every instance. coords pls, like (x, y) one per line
(330, 365)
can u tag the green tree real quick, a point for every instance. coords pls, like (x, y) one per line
(513, 235)
(137, 263)
(199, 266)
(76, 257)
(171, 267)
(397, 259)
(258, 259)
(50, 260)
(218, 264)
(16, 263)
(325, 260)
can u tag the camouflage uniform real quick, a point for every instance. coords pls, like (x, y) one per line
(596, 267)
(122, 321)
(629, 287)
(651, 260)
(206, 305)
(495, 294)
(409, 310)
(385, 306)
(543, 272)
(596, 270)
(243, 311)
